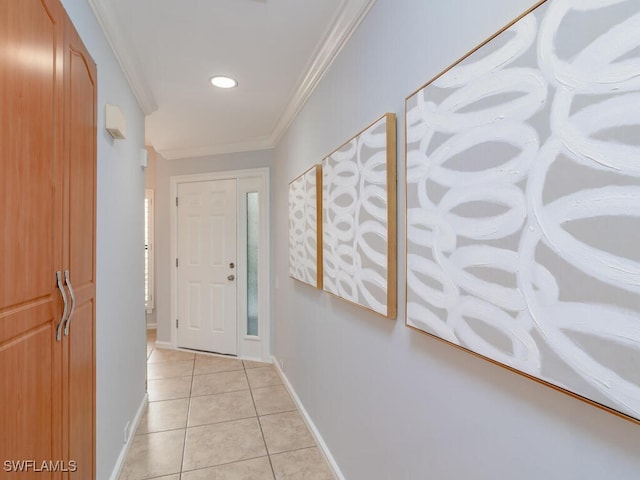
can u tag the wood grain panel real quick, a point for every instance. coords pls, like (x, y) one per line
(79, 358)
(31, 89)
(81, 157)
(30, 401)
(79, 253)
(30, 93)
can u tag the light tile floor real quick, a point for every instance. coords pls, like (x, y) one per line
(219, 418)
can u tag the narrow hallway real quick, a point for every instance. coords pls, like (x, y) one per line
(212, 417)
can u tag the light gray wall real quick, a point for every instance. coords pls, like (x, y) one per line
(190, 166)
(120, 321)
(392, 403)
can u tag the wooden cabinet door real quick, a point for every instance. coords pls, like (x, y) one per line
(79, 254)
(31, 87)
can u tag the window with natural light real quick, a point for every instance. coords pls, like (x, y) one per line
(148, 250)
(253, 220)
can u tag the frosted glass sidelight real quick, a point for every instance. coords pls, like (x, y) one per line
(148, 250)
(253, 210)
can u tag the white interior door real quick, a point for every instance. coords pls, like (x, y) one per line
(207, 293)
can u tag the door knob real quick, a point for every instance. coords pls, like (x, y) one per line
(231, 277)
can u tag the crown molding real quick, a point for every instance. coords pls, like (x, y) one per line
(125, 56)
(217, 149)
(344, 23)
(342, 26)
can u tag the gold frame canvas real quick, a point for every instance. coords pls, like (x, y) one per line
(520, 181)
(305, 227)
(359, 219)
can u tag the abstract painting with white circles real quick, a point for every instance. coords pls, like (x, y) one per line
(305, 256)
(523, 201)
(359, 219)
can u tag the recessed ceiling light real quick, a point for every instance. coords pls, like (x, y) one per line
(221, 81)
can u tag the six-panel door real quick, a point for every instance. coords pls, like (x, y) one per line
(207, 292)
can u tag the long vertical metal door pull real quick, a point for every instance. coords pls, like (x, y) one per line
(65, 308)
(73, 301)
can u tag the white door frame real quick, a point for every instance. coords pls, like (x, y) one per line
(245, 342)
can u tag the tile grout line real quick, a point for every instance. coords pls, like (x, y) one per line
(184, 444)
(215, 373)
(186, 420)
(219, 393)
(219, 423)
(235, 462)
(190, 397)
(297, 449)
(279, 413)
(264, 440)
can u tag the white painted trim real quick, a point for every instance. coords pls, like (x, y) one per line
(264, 285)
(149, 196)
(165, 345)
(125, 449)
(344, 23)
(218, 149)
(265, 261)
(307, 419)
(124, 54)
(152, 326)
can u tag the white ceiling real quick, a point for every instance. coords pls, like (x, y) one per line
(277, 50)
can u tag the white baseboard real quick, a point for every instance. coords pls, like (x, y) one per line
(165, 345)
(152, 326)
(125, 449)
(307, 419)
